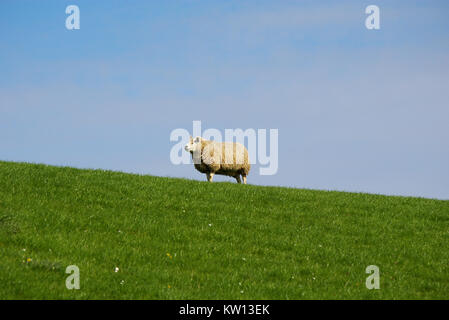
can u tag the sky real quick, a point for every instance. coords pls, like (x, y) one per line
(356, 109)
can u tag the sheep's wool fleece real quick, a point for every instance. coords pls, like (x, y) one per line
(227, 158)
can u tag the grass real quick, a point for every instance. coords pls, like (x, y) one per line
(182, 239)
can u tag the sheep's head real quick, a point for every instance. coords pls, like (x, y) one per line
(194, 145)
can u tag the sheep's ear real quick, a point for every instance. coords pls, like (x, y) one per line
(191, 139)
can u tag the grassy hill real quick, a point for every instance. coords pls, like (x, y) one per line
(182, 239)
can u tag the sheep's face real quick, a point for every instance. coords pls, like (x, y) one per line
(194, 145)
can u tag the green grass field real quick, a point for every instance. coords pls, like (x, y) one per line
(182, 239)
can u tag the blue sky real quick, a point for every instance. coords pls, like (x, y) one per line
(357, 109)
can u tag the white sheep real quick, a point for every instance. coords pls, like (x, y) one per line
(223, 158)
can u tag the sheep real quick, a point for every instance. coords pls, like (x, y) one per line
(223, 158)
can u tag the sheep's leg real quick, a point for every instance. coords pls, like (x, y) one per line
(237, 177)
(210, 176)
(244, 179)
